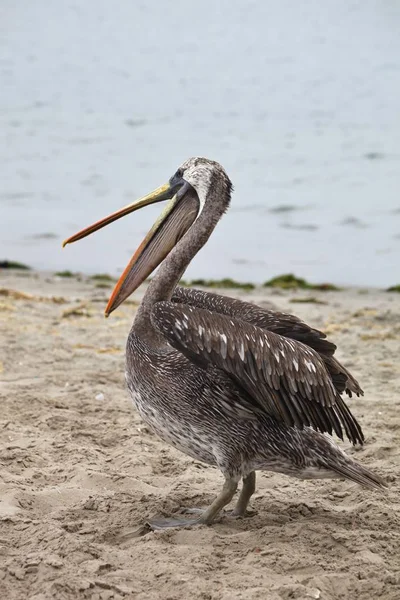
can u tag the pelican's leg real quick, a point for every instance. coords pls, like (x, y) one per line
(206, 517)
(228, 491)
(248, 489)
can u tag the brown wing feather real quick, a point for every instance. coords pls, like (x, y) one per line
(284, 324)
(285, 378)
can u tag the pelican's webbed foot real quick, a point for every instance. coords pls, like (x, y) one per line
(206, 517)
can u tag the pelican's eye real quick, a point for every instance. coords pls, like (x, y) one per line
(177, 177)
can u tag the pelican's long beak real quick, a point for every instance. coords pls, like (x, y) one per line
(164, 192)
(175, 220)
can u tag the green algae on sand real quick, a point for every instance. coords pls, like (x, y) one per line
(288, 281)
(307, 300)
(103, 277)
(226, 283)
(66, 274)
(103, 285)
(13, 264)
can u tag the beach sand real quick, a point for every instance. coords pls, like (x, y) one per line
(80, 472)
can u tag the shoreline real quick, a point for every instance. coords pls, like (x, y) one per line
(229, 282)
(231, 285)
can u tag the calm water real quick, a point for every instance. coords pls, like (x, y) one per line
(300, 101)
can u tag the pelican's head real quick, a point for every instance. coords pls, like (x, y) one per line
(203, 174)
(188, 192)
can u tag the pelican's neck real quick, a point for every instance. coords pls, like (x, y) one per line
(171, 270)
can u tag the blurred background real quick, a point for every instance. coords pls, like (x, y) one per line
(101, 101)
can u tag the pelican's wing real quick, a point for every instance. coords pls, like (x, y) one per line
(283, 377)
(284, 324)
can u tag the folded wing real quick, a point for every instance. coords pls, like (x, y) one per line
(284, 378)
(284, 324)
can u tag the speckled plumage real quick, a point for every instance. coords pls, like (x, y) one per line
(284, 324)
(231, 384)
(206, 415)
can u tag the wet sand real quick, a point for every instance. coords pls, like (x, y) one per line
(80, 472)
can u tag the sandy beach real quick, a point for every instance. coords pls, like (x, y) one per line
(80, 472)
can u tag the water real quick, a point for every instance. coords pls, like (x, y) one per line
(100, 102)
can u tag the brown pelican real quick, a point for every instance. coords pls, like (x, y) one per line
(226, 382)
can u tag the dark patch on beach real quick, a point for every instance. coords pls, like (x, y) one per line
(12, 264)
(307, 300)
(288, 281)
(67, 274)
(103, 285)
(226, 283)
(394, 288)
(103, 277)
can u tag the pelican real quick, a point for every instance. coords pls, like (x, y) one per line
(227, 382)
